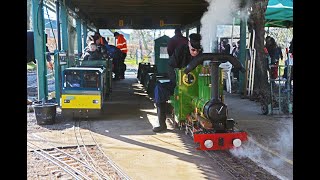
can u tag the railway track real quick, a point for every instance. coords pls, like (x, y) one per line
(64, 165)
(238, 168)
(243, 168)
(96, 157)
(85, 160)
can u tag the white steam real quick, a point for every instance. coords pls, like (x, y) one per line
(273, 155)
(219, 13)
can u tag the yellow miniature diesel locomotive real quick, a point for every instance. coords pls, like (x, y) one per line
(84, 89)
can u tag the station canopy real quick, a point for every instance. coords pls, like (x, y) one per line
(138, 14)
(279, 13)
(162, 14)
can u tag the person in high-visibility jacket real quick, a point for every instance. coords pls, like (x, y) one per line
(121, 43)
(110, 51)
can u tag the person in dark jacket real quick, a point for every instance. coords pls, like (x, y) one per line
(110, 51)
(275, 54)
(181, 57)
(92, 53)
(177, 40)
(225, 46)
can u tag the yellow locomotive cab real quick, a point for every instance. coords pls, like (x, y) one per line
(85, 88)
(79, 101)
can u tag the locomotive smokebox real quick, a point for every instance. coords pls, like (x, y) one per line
(216, 112)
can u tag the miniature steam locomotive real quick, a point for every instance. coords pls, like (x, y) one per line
(197, 103)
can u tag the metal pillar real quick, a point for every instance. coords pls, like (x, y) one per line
(242, 55)
(85, 34)
(57, 76)
(58, 24)
(79, 37)
(40, 48)
(64, 26)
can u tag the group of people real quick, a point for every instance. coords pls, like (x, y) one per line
(98, 48)
(273, 55)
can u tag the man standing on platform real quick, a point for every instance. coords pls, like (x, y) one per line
(177, 40)
(121, 43)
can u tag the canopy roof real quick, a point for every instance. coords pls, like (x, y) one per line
(138, 14)
(162, 14)
(279, 13)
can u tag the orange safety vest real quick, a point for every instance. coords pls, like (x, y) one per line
(101, 41)
(122, 43)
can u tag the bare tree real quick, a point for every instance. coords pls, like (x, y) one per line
(146, 37)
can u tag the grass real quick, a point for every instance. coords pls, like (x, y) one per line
(131, 62)
(31, 66)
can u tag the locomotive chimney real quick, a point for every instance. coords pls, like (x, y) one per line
(215, 60)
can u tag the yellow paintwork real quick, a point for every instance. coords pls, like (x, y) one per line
(81, 101)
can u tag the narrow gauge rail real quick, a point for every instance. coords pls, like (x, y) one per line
(68, 163)
(83, 147)
(105, 165)
(239, 168)
(104, 168)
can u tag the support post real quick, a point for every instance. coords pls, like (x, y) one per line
(64, 26)
(79, 37)
(57, 76)
(40, 48)
(58, 24)
(85, 34)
